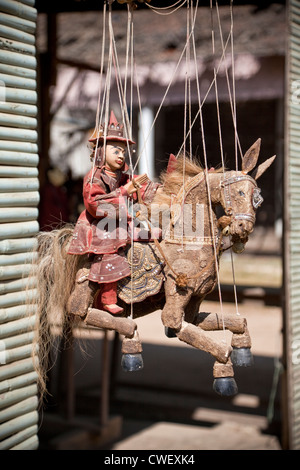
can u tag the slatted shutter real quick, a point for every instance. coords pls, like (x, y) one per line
(292, 228)
(19, 198)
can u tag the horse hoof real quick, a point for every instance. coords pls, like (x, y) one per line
(132, 362)
(169, 332)
(242, 357)
(225, 386)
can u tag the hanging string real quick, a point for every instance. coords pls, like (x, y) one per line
(122, 100)
(163, 99)
(158, 10)
(113, 57)
(208, 189)
(217, 94)
(208, 90)
(127, 127)
(106, 95)
(234, 284)
(97, 125)
(128, 43)
(233, 88)
(187, 105)
(231, 98)
(233, 110)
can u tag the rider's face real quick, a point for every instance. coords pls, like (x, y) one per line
(115, 155)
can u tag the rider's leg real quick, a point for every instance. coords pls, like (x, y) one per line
(108, 298)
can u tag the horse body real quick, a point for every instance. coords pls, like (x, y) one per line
(190, 254)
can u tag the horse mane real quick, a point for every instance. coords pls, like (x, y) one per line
(173, 181)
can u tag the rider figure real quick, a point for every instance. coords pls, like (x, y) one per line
(100, 232)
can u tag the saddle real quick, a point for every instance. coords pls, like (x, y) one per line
(147, 274)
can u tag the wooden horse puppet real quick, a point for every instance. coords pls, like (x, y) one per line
(173, 265)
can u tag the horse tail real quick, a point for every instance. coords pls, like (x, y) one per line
(54, 272)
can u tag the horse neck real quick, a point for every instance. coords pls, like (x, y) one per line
(207, 194)
(208, 190)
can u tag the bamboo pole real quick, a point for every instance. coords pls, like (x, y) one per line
(18, 424)
(17, 245)
(20, 367)
(17, 285)
(18, 382)
(16, 185)
(31, 443)
(17, 312)
(19, 438)
(17, 327)
(12, 355)
(15, 298)
(20, 408)
(16, 396)
(16, 341)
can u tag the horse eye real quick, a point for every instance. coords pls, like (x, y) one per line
(241, 193)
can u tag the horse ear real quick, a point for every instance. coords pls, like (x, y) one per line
(172, 163)
(251, 156)
(262, 168)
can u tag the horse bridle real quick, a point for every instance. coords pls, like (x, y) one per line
(257, 199)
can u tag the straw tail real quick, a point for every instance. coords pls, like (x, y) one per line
(54, 272)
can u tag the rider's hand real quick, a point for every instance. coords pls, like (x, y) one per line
(130, 188)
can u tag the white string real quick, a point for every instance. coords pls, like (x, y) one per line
(121, 92)
(236, 140)
(233, 88)
(158, 9)
(208, 90)
(231, 99)
(113, 54)
(127, 128)
(105, 102)
(162, 101)
(208, 188)
(97, 124)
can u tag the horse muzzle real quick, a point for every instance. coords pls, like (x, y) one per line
(241, 226)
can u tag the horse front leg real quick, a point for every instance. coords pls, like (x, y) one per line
(173, 316)
(241, 340)
(224, 383)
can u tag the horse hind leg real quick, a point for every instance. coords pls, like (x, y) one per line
(132, 359)
(80, 303)
(83, 294)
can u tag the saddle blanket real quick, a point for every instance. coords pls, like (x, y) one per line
(146, 274)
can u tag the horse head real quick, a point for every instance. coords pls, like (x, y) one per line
(242, 196)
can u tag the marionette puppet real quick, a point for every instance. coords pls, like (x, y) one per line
(104, 228)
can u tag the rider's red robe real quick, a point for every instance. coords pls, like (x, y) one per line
(102, 230)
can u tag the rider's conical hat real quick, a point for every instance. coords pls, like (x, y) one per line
(115, 132)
